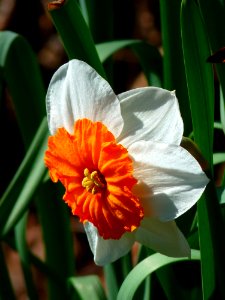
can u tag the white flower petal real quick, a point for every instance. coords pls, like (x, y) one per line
(107, 251)
(170, 179)
(163, 237)
(76, 91)
(150, 114)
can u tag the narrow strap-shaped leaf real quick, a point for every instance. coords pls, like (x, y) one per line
(218, 125)
(25, 182)
(213, 14)
(21, 244)
(110, 274)
(201, 95)
(144, 269)
(173, 63)
(20, 71)
(74, 32)
(165, 276)
(55, 223)
(145, 288)
(218, 158)
(38, 263)
(222, 107)
(151, 62)
(86, 288)
(96, 13)
(46, 270)
(115, 274)
(199, 74)
(148, 56)
(106, 49)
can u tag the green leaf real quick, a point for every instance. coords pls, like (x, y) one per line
(222, 110)
(106, 49)
(173, 63)
(115, 273)
(148, 56)
(20, 71)
(218, 158)
(87, 287)
(222, 200)
(75, 34)
(96, 13)
(21, 244)
(213, 13)
(218, 125)
(25, 182)
(54, 218)
(47, 271)
(144, 269)
(201, 95)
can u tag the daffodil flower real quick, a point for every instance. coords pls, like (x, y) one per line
(119, 158)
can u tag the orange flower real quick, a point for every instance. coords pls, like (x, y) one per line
(98, 176)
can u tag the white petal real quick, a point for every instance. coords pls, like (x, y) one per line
(107, 251)
(170, 179)
(163, 237)
(150, 114)
(76, 91)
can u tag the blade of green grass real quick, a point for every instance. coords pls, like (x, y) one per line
(87, 287)
(144, 269)
(25, 182)
(20, 71)
(173, 63)
(74, 32)
(201, 95)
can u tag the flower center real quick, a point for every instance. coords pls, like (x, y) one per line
(107, 201)
(94, 182)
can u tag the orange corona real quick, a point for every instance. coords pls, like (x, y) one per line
(97, 174)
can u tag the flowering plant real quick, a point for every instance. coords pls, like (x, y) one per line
(119, 158)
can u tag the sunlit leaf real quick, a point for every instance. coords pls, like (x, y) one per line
(75, 34)
(148, 56)
(87, 287)
(144, 269)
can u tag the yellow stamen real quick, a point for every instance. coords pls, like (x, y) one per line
(92, 181)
